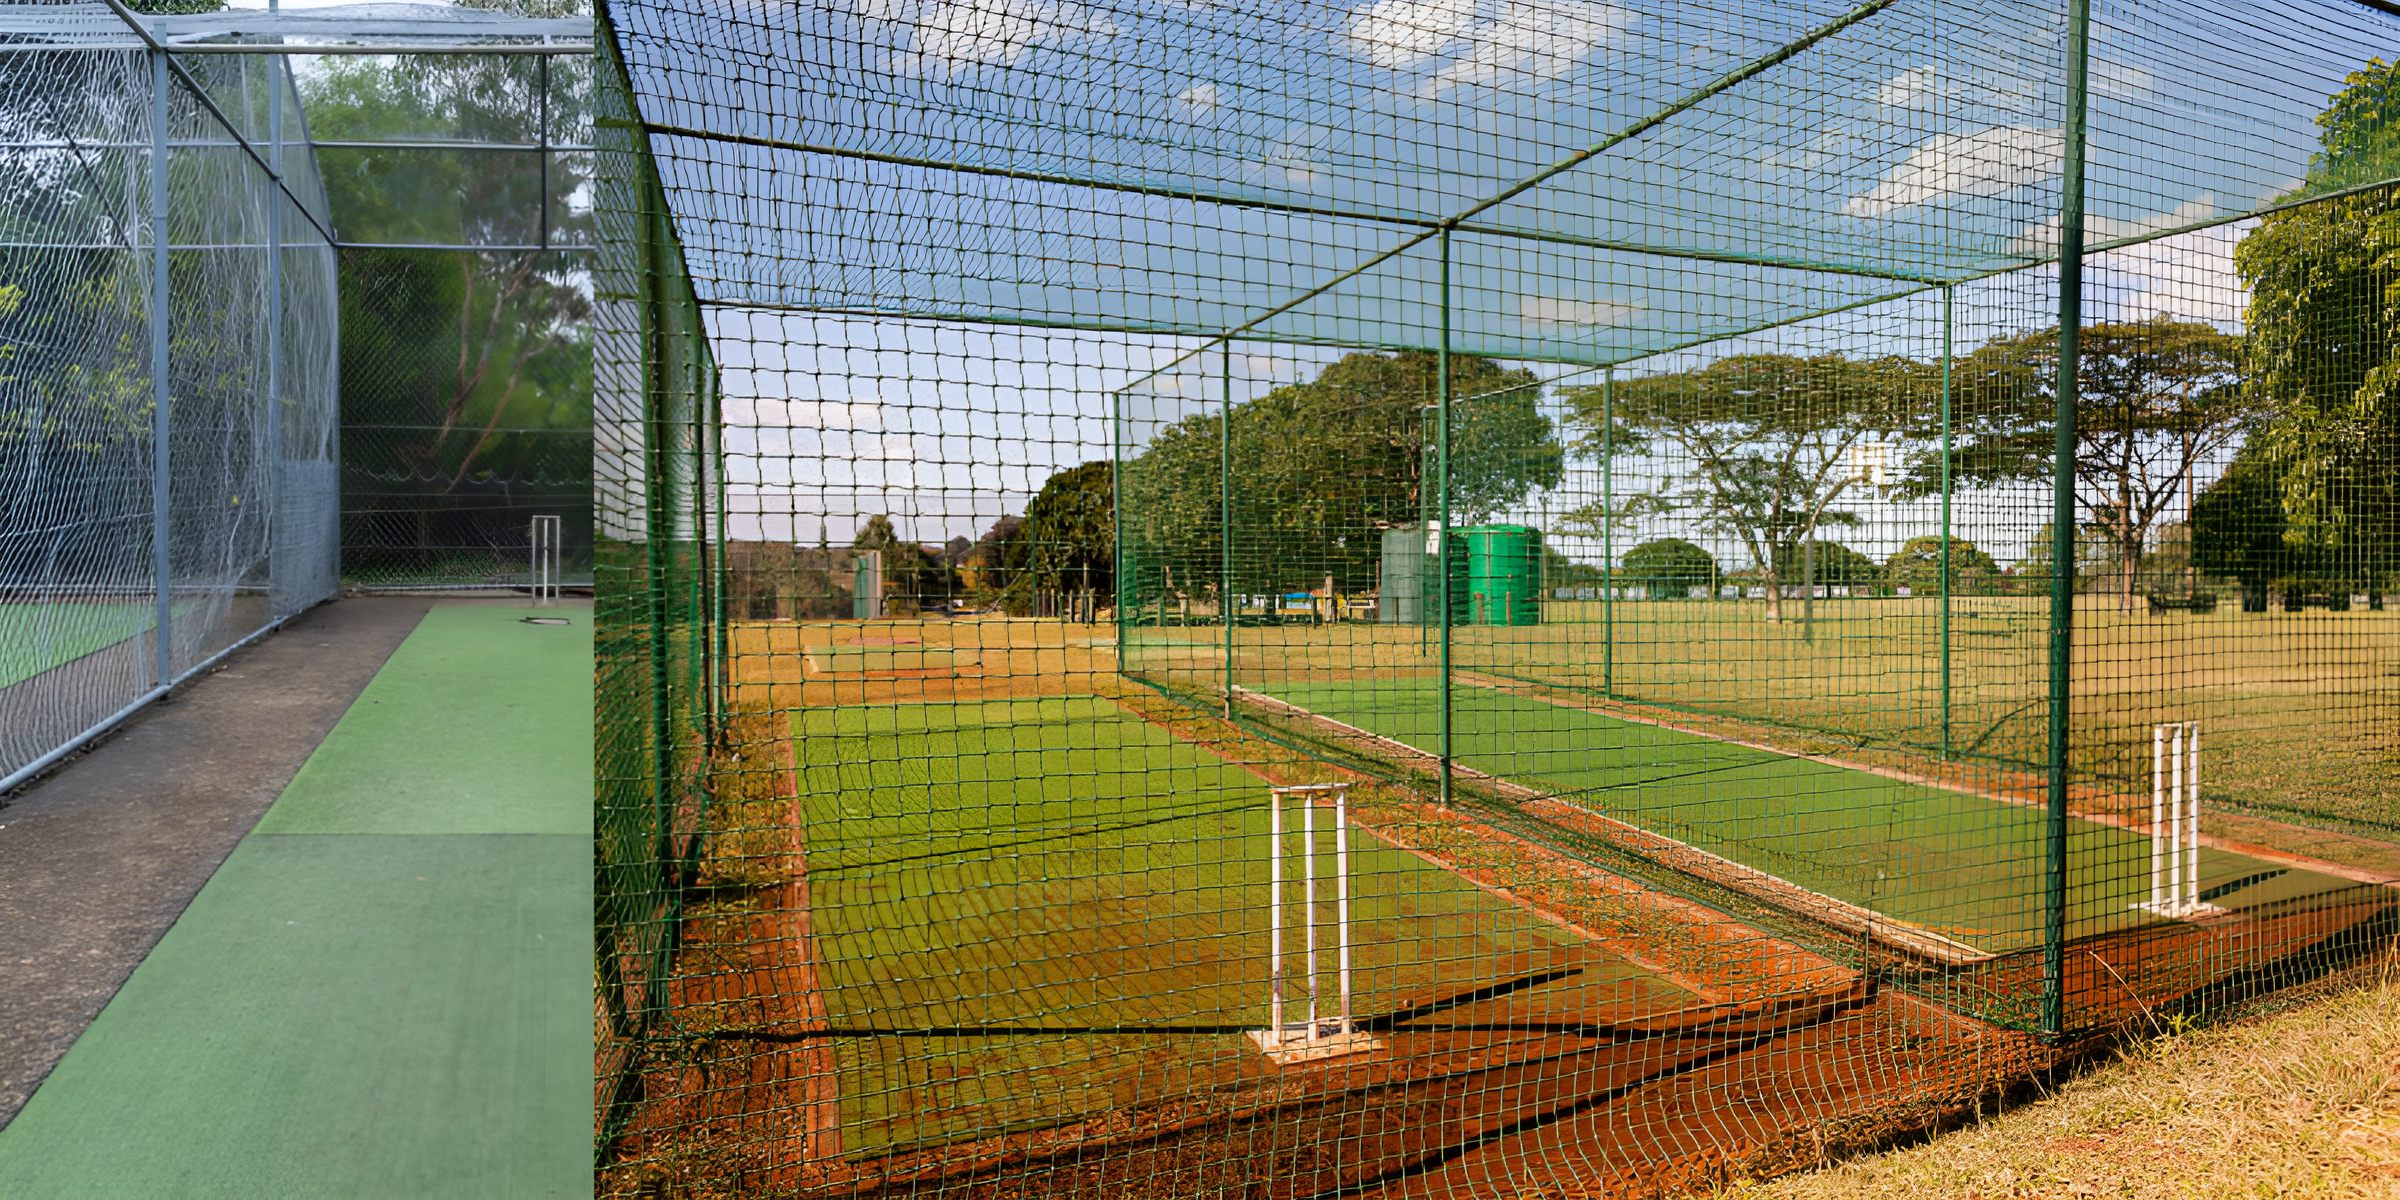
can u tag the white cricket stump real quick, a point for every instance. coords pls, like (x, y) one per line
(2175, 823)
(1319, 1035)
(543, 567)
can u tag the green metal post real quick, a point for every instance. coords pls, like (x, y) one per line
(657, 525)
(1225, 524)
(1116, 522)
(1442, 456)
(724, 633)
(2062, 513)
(1947, 328)
(1608, 533)
(1426, 439)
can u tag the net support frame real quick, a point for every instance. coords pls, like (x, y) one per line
(2062, 515)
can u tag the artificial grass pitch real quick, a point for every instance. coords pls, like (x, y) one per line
(480, 723)
(1036, 910)
(1965, 866)
(38, 637)
(386, 988)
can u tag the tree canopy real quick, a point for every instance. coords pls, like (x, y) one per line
(908, 571)
(1756, 446)
(1319, 469)
(1917, 566)
(466, 374)
(1671, 563)
(2325, 366)
(2155, 399)
(1067, 540)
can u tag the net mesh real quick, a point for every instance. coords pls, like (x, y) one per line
(1784, 692)
(138, 542)
(461, 185)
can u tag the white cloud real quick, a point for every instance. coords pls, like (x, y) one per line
(1559, 312)
(1535, 39)
(1404, 33)
(951, 35)
(1521, 39)
(2041, 238)
(774, 412)
(1198, 98)
(1916, 88)
(1296, 158)
(2122, 80)
(2189, 277)
(1987, 162)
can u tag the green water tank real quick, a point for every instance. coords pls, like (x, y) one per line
(1503, 575)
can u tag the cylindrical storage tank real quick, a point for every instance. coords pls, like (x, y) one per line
(1504, 574)
(1400, 595)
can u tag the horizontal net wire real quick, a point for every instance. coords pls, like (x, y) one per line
(137, 544)
(1608, 457)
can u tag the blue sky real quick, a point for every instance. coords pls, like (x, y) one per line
(1922, 141)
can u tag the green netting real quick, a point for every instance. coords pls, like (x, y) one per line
(1624, 458)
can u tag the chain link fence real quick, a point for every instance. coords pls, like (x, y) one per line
(465, 413)
(167, 378)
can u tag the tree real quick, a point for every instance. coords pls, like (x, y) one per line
(1835, 565)
(907, 569)
(1756, 446)
(2155, 399)
(2095, 557)
(1319, 469)
(1068, 539)
(1560, 571)
(2324, 359)
(1917, 566)
(1669, 565)
(466, 374)
(2238, 526)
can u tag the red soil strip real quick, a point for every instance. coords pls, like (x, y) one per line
(757, 1102)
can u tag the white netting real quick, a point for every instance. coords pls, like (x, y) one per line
(237, 501)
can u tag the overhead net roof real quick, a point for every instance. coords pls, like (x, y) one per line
(1613, 180)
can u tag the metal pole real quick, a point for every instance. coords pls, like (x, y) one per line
(1225, 523)
(2062, 513)
(162, 567)
(1947, 328)
(1442, 456)
(1116, 524)
(1608, 533)
(275, 203)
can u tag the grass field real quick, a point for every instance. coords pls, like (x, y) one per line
(2302, 710)
(38, 637)
(2302, 1104)
(1958, 864)
(1031, 911)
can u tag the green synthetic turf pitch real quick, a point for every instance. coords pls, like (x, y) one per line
(1078, 878)
(1962, 865)
(37, 637)
(385, 991)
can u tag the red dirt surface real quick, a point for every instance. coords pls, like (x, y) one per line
(1794, 1058)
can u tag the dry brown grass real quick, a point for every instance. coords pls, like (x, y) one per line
(2305, 1103)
